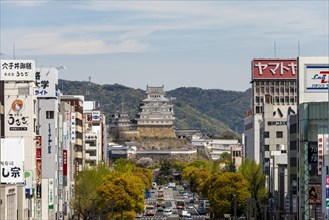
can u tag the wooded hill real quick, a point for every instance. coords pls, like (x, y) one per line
(215, 112)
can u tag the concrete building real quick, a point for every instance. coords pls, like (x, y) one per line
(77, 133)
(217, 147)
(237, 156)
(67, 157)
(313, 142)
(18, 133)
(95, 130)
(274, 100)
(51, 150)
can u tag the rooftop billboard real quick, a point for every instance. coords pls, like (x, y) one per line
(274, 68)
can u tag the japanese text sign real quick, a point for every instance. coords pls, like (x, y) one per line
(17, 70)
(46, 81)
(274, 69)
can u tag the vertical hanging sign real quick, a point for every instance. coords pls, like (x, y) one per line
(320, 153)
(73, 127)
(51, 194)
(38, 176)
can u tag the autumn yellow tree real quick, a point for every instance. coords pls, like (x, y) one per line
(125, 191)
(196, 177)
(221, 189)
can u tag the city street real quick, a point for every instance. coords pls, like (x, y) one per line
(170, 197)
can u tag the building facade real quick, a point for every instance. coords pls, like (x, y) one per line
(18, 132)
(313, 143)
(274, 99)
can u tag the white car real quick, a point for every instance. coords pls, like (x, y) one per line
(167, 211)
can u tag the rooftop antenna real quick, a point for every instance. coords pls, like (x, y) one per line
(14, 56)
(89, 79)
(274, 49)
(122, 106)
(298, 49)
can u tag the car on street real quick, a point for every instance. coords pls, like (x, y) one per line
(167, 211)
(149, 210)
(202, 211)
(190, 206)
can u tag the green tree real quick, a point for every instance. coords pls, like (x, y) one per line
(85, 189)
(253, 173)
(196, 177)
(124, 165)
(165, 172)
(221, 190)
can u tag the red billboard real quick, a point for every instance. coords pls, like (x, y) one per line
(65, 162)
(274, 69)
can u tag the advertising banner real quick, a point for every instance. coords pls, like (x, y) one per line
(316, 78)
(314, 193)
(65, 162)
(38, 171)
(17, 70)
(274, 69)
(320, 152)
(73, 127)
(46, 81)
(51, 194)
(12, 160)
(12, 172)
(18, 115)
(96, 116)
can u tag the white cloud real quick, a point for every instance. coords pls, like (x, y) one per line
(136, 22)
(54, 42)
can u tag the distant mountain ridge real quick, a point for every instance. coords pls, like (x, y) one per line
(212, 111)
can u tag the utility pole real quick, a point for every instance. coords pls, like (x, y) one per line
(79, 209)
(112, 208)
(93, 218)
(234, 198)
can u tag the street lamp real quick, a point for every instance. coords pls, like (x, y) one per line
(60, 68)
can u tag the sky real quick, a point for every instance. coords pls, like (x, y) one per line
(205, 44)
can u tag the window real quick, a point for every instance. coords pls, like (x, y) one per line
(293, 145)
(293, 162)
(50, 114)
(266, 147)
(23, 90)
(293, 128)
(266, 134)
(279, 134)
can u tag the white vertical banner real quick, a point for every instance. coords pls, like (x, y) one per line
(326, 144)
(73, 127)
(320, 152)
(51, 194)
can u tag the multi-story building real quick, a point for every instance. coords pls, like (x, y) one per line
(313, 142)
(95, 130)
(77, 138)
(46, 80)
(67, 157)
(18, 132)
(274, 99)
